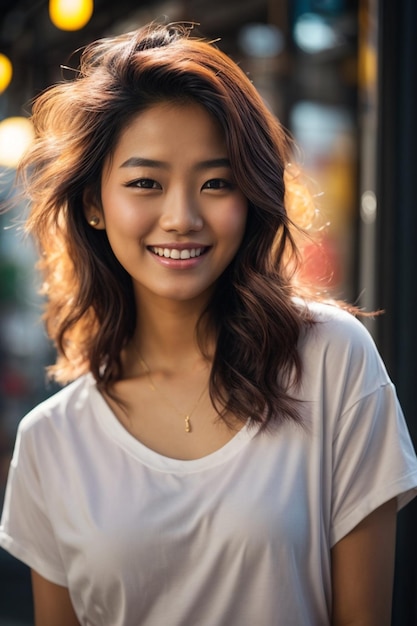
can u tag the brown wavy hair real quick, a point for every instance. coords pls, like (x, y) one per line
(90, 308)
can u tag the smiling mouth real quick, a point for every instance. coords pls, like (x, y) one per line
(174, 253)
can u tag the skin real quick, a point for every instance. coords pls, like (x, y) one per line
(52, 603)
(168, 186)
(363, 571)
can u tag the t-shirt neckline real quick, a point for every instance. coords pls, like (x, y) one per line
(108, 421)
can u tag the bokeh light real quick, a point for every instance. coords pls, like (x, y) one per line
(6, 72)
(70, 14)
(16, 135)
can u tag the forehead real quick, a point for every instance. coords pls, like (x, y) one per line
(171, 127)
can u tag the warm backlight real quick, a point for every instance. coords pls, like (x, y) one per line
(70, 14)
(16, 135)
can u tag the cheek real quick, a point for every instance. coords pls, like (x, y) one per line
(124, 216)
(232, 221)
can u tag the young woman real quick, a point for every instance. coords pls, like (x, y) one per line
(229, 452)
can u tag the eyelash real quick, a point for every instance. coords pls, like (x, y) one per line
(138, 183)
(224, 184)
(214, 184)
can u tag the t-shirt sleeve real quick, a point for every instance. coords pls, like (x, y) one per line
(368, 456)
(373, 460)
(25, 529)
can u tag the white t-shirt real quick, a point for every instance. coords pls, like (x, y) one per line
(236, 538)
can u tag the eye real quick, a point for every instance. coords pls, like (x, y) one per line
(144, 183)
(218, 183)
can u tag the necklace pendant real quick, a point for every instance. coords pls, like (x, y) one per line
(187, 424)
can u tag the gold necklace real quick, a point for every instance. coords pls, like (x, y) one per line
(187, 416)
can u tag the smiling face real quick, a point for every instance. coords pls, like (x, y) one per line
(171, 209)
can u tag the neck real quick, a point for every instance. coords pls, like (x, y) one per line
(166, 336)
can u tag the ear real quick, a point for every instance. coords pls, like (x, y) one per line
(92, 210)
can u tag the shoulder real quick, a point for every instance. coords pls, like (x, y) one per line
(59, 410)
(335, 328)
(334, 322)
(337, 348)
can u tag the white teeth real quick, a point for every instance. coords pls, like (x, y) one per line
(173, 253)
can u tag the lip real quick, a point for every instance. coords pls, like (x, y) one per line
(179, 246)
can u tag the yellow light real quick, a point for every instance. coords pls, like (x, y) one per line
(70, 14)
(6, 72)
(16, 135)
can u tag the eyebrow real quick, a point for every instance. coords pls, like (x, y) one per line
(201, 165)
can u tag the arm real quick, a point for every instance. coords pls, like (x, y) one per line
(363, 571)
(52, 603)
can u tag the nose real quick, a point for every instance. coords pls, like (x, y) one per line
(181, 213)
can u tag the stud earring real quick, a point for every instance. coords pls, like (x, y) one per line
(94, 221)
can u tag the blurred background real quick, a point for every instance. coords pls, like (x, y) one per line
(341, 76)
